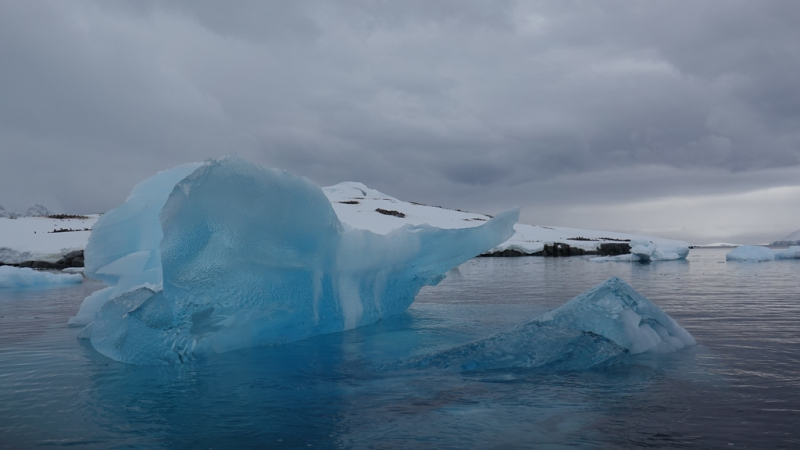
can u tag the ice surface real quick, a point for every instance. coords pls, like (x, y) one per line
(21, 278)
(596, 328)
(123, 247)
(253, 256)
(645, 251)
(755, 253)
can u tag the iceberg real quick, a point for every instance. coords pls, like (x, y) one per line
(12, 278)
(596, 328)
(247, 256)
(646, 251)
(755, 253)
(123, 247)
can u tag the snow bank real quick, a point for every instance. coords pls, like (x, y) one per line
(253, 256)
(356, 206)
(755, 253)
(645, 251)
(596, 328)
(32, 238)
(21, 278)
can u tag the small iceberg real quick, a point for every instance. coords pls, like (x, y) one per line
(756, 253)
(226, 255)
(12, 278)
(596, 328)
(646, 251)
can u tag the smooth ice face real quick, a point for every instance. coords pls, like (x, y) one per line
(646, 251)
(253, 256)
(12, 278)
(755, 253)
(596, 328)
(123, 247)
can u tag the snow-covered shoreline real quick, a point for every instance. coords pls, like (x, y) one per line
(357, 206)
(33, 238)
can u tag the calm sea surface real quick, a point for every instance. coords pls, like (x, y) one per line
(739, 388)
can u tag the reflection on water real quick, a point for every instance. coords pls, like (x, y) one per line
(740, 386)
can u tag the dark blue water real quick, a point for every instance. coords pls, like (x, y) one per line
(740, 387)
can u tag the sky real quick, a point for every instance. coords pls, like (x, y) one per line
(674, 119)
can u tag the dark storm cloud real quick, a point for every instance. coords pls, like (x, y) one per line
(469, 104)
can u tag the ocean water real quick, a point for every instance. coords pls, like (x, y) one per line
(739, 388)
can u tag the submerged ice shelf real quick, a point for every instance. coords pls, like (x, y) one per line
(596, 328)
(235, 255)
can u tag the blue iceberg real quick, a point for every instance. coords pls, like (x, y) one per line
(247, 256)
(596, 328)
(123, 247)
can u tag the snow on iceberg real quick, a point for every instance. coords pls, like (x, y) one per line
(645, 251)
(250, 256)
(755, 253)
(21, 278)
(596, 328)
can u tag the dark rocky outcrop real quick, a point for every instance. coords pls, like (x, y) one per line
(614, 248)
(71, 259)
(510, 253)
(562, 249)
(390, 212)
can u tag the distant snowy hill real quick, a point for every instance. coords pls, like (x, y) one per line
(356, 205)
(36, 210)
(361, 207)
(33, 238)
(792, 239)
(719, 245)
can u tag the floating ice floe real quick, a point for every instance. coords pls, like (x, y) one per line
(246, 256)
(596, 328)
(644, 251)
(22, 278)
(755, 253)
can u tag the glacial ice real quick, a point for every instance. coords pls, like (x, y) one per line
(12, 278)
(596, 328)
(646, 251)
(755, 253)
(123, 246)
(248, 257)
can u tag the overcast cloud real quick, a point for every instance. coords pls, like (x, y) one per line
(679, 119)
